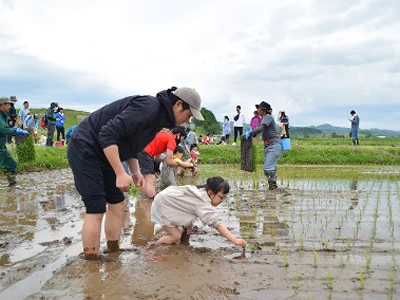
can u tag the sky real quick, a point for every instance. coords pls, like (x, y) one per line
(317, 60)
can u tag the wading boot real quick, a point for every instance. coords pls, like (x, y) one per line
(12, 179)
(272, 185)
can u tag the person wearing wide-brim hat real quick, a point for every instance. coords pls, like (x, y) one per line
(272, 143)
(6, 160)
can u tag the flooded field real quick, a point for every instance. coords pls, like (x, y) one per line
(327, 233)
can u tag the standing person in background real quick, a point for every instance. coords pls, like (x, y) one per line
(238, 119)
(355, 126)
(110, 135)
(226, 129)
(283, 123)
(22, 114)
(51, 123)
(255, 120)
(11, 116)
(272, 143)
(60, 124)
(6, 160)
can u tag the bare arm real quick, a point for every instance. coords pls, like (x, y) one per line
(169, 160)
(227, 234)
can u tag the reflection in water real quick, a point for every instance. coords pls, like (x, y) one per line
(18, 213)
(272, 225)
(143, 230)
(354, 193)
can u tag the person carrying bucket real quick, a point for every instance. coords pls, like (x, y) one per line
(272, 142)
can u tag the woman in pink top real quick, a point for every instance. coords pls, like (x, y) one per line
(255, 121)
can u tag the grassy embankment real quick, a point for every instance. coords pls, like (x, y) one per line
(305, 151)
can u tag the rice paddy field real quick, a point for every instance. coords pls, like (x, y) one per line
(328, 232)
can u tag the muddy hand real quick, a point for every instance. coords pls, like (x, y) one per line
(123, 182)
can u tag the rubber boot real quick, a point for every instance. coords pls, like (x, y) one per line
(271, 180)
(358, 142)
(354, 142)
(12, 179)
(272, 185)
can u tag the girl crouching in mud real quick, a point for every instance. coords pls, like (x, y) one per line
(181, 205)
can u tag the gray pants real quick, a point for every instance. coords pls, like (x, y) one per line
(167, 176)
(272, 152)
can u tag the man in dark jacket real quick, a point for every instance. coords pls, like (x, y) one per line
(11, 117)
(118, 132)
(51, 123)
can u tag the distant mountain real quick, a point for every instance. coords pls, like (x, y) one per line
(329, 129)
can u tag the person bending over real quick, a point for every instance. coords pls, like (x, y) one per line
(180, 206)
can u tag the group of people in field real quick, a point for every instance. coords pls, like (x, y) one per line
(132, 131)
(140, 132)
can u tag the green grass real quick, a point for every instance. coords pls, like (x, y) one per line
(304, 157)
(304, 152)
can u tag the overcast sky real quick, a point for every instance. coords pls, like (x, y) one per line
(318, 60)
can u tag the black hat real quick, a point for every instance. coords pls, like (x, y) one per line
(264, 105)
(13, 98)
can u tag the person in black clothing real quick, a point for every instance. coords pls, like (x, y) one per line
(12, 117)
(115, 133)
(51, 123)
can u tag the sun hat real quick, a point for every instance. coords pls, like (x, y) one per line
(264, 105)
(5, 100)
(13, 98)
(191, 97)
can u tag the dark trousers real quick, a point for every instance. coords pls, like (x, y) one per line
(227, 138)
(60, 130)
(50, 135)
(237, 130)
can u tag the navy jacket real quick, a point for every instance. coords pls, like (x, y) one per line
(130, 123)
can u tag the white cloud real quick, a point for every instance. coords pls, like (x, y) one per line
(304, 56)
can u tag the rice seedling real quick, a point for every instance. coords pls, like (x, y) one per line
(391, 281)
(329, 279)
(348, 242)
(315, 257)
(368, 258)
(296, 282)
(341, 258)
(394, 261)
(285, 259)
(301, 242)
(361, 278)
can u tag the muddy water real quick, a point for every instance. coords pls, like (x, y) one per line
(352, 223)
